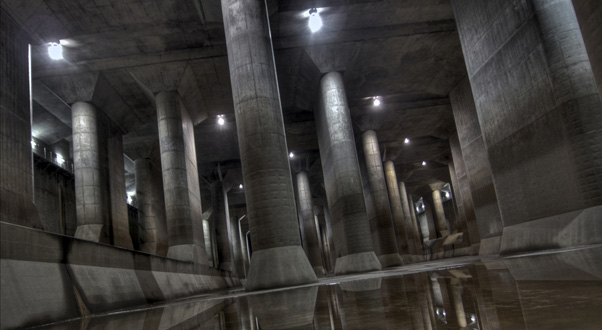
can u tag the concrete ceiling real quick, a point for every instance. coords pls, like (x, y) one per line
(118, 54)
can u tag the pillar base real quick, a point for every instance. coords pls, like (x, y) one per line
(390, 260)
(407, 259)
(320, 271)
(227, 266)
(94, 233)
(278, 267)
(357, 263)
(188, 252)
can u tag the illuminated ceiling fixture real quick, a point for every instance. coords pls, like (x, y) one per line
(240, 186)
(376, 101)
(424, 163)
(220, 120)
(55, 51)
(291, 155)
(33, 144)
(315, 22)
(60, 159)
(406, 141)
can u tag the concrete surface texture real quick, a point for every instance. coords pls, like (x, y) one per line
(263, 150)
(424, 130)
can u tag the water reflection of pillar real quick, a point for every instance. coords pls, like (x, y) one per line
(273, 310)
(507, 301)
(426, 301)
(412, 296)
(486, 305)
(456, 289)
(397, 313)
(362, 303)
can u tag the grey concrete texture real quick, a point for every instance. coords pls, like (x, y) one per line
(342, 180)
(182, 205)
(91, 193)
(402, 221)
(414, 237)
(382, 221)
(476, 162)
(151, 207)
(458, 203)
(263, 150)
(221, 216)
(307, 221)
(298, 304)
(16, 167)
(48, 278)
(589, 16)
(441, 222)
(546, 135)
(119, 209)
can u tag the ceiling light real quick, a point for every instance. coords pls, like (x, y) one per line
(291, 155)
(240, 186)
(315, 22)
(424, 163)
(33, 144)
(60, 159)
(55, 51)
(406, 141)
(376, 101)
(220, 120)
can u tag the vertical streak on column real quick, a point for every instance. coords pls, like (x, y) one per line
(402, 222)
(308, 223)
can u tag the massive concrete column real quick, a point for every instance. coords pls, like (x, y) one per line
(91, 195)
(118, 196)
(16, 163)
(403, 222)
(221, 216)
(539, 111)
(414, 240)
(415, 223)
(278, 258)
(342, 180)
(308, 223)
(589, 15)
(387, 251)
(180, 180)
(151, 208)
(442, 228)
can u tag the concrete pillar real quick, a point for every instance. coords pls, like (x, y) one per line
(278, 258)
(413, 233)
(308, 223)
(221, 216)
(180, 180)
(118, 196)
(387, 251)
(16, 163)
(237, 250)
(403, 222)
(343, 183)
(589, 15)
(539, 111)
(151, 208)
(91, 195)
(442, 228)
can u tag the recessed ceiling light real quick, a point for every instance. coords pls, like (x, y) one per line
(315, 21)
(55, 51)
(376, 101)
(406, 141)
(291, 155)
(220, 120)
(424, 163)
(240, 186)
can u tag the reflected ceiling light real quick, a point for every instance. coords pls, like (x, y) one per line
(240, 186)
(55, 51)
(406, 141)
(315, 21)
(60, 159)
(291, 155)
(424, 163)
(376, 101)
(220, 120)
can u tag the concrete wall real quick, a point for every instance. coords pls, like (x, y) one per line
(539, 111)
(55, 198)
(589, 15)
(48, 277)
(16, 185)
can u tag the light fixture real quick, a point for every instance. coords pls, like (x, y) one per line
(33, 144)
(60, 159)
(406, 141)
(315, 21)
(424, 163)
(55, 51)
(291, 155)
(376, 101)
(220, 120)
(240, 186)
(446, 194)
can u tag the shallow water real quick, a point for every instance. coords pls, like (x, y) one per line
(549, 290)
